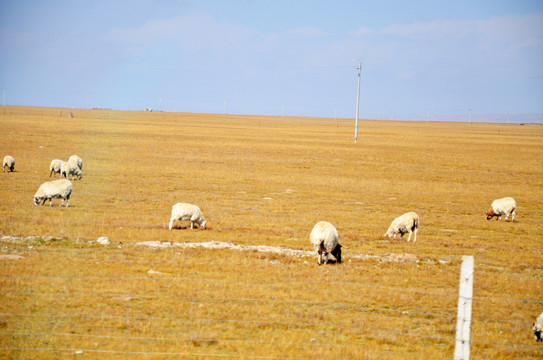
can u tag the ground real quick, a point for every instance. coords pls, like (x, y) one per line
(265, 181)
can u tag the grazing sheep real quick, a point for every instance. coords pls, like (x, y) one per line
(70, 168)
(55, 189)
(506, 206)
(537, 327)
(407, 223)
(9, 161)
(324, 238)
(55, 167)
(76, 160)
(182, 211)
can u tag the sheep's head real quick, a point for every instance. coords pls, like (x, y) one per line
(337, 253)
(538, 329)
(37, 200)
(203, 224)
(389, 234)
(490, 214)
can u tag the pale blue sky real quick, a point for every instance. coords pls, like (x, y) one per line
(420, 59)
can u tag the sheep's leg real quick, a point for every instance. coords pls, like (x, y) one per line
(319, 258)
(415, 239)
(67, 202)
(44, 200)
(171, 222)
(51, 202)
(326, 258)
(513, 214)
(192, 224)
(61, 202)
(409, 237)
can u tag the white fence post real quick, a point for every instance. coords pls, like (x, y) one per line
(463, 320)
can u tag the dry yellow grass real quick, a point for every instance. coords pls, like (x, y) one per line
(263, 180)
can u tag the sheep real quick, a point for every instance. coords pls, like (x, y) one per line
(70, 168)
(324, 238)
(537, 327)
(407, 223)
(55, 189)
(76, 160)
(183, 211)
(55, 167)
(8, 162)
(506, 206)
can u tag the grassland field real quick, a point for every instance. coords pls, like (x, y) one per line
(264, 180)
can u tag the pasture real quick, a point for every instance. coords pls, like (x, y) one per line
(263, 180)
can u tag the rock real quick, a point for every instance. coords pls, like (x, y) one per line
(151, 272)
(103, 240)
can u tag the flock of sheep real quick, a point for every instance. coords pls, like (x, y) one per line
(323, 237)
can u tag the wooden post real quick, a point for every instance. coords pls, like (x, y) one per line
(463, 319)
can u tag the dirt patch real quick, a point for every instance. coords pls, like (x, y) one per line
(11, 257)
(28, 238)
(217, 245)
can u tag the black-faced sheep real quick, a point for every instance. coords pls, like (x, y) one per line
(324, 238)
(56, 189)
(8, 162)
(537, 327)
(506, 206)
(407, 223)
(183, 211)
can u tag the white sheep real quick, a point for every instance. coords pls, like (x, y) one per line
(506, 206)
(55, 166)
(9, 162)
(537, 327)
(324, 238)
(407, 223)
(55, 189)
(183, 211)
(76, 160)
(70, 168)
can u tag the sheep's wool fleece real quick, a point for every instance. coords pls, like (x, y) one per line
(324, 235)
(182, 211)
(61, 188)
(503, 206)
(403, 223)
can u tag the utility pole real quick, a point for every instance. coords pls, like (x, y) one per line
(357, 102)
